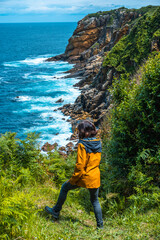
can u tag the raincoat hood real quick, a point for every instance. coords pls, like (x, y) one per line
(92, 145)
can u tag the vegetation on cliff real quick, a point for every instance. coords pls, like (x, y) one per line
(141, 10)
(131, 147)
(132, 49)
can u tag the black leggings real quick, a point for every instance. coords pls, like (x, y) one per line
(93, 197)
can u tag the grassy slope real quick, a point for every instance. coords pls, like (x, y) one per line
(76, 222)
(23, 191)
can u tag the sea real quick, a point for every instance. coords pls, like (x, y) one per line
(30, 86)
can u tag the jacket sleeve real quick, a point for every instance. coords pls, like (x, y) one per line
(80, 164)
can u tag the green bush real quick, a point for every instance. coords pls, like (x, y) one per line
(60, 169)
(20, 166)
(15, 208)
(131, 153)
(17, 155)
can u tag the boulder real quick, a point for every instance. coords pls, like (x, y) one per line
(62, 148)
(48, 147)
(70, 145)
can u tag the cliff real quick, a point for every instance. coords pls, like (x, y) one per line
(103, 46)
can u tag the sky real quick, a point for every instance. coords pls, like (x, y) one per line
(60, 10)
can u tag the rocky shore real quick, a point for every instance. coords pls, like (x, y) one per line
(95, 35)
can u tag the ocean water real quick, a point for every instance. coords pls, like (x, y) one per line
(29, 86)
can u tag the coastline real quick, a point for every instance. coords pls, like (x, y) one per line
(86, 49)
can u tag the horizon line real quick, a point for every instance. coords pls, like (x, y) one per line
(38, 22)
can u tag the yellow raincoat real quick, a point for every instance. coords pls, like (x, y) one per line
(86, 173)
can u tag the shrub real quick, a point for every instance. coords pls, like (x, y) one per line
(20, 165)
(59, 168)
(132, 148)
(17, 155)
(15, 209)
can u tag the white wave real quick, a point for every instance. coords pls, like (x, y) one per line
(57, 124)
(55, 115)
(29, 61)
(41, 60)
(68, 98)
(44, 99)
(46, 77)
(11, 64)
(26, 75)
(41, 108)
(34, 99)
(2, 81)
(34, 61)
(43, 77)
(23, 98)
(38, 61)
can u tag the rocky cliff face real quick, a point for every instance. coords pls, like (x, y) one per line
(93, 38)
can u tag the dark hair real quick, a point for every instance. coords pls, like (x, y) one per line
(86, 129)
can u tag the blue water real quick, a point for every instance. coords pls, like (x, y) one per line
(29, 86)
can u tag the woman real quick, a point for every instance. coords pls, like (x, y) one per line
(86, 173)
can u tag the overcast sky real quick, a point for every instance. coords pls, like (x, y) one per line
(60, 10)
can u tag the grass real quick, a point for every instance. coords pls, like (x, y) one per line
(77, 219)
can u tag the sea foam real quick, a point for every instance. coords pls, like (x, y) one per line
(23, 98)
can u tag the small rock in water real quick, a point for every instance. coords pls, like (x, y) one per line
(51, 118)
(60, 100)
